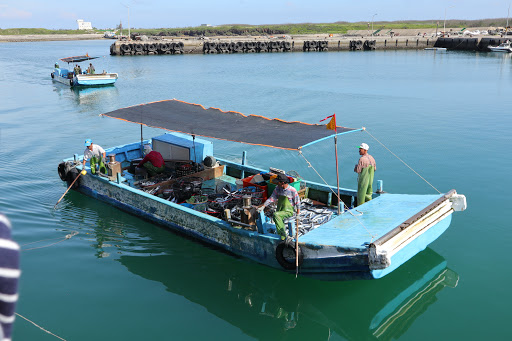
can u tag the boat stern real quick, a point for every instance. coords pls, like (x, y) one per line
(413, 235)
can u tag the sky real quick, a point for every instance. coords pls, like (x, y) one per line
(52, 14)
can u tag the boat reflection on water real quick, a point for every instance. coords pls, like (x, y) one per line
(265, 303)
(88, 96)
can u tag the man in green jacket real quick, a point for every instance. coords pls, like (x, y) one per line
(365, 169)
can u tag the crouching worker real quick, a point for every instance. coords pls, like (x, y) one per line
(96, 156)
(153, 162)
(287, 199)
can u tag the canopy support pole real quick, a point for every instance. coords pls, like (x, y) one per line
(194, 147)
(141, 142)
(337, 170)
(244, 160)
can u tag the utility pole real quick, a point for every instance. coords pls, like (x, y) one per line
(129, 36)
(372, 22)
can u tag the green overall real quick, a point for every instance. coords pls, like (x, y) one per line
(283, 212)
(98, 160)
(364, 185)
(152, 170)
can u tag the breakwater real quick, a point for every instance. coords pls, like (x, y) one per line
(259, 45)
(265, 45)
(469, 44)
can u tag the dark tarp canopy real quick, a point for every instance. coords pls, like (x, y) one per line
(194, 119)
(77, 59)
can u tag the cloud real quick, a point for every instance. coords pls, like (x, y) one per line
(7, 12)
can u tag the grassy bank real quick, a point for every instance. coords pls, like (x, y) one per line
(291, 29)
(38, 31)
(311, 28)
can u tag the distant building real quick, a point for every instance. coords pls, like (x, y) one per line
(84, 25)
(206, 25)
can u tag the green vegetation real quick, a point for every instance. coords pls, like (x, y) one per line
(24, 31)
(340, 27)
(237, 30)
(310, 28)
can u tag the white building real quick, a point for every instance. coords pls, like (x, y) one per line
(84, 25)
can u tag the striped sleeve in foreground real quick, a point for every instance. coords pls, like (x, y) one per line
(9, 276)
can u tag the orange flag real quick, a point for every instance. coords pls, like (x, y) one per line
(332, 123)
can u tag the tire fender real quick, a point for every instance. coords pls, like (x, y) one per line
(63, 170)
(72, 174)
(282, 260)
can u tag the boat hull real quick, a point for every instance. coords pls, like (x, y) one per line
(83, 80)
(370, 243)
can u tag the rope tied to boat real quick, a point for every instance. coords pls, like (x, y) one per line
(66, 237)
(339, 199)
(366, 130)
(38, 326)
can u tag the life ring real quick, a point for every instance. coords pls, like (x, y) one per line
(52, 75)
(71, 82)
(72, 174)
(285, 255)
(63, 169)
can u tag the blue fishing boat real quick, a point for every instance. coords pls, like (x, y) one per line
(213, 200)
(79, 78)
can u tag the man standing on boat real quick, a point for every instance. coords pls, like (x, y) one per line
(365, 169)
(96, 154)
(90, 69)
(153, 162)
(287, 199)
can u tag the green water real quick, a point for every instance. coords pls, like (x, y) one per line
(121, 278)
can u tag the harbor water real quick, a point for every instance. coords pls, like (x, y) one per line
(93, 272)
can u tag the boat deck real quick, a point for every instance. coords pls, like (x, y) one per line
(379, 216)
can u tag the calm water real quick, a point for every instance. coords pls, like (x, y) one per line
(121, 278)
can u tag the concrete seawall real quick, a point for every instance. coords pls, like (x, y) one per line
(248, 45)
(301, 44)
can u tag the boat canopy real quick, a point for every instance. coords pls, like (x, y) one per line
(77, 59)
(194, 119)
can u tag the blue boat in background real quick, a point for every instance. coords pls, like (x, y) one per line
(333, 239)
(74, 79)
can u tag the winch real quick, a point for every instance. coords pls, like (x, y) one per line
(248, 214)
(113, 167)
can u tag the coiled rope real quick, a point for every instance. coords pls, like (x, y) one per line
(401, 160)
(336, 195)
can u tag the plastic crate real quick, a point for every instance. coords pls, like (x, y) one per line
(247, 183)
(271, 186)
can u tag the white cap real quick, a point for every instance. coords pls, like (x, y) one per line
(364, 146)
(147, 149)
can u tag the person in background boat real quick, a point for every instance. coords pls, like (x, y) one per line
(9, 277)
(287, 199)
(56, 65)
(79, 70)
(153, 162)
(96, 154)
(76, 70)
(365, 169)
(90, 69)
